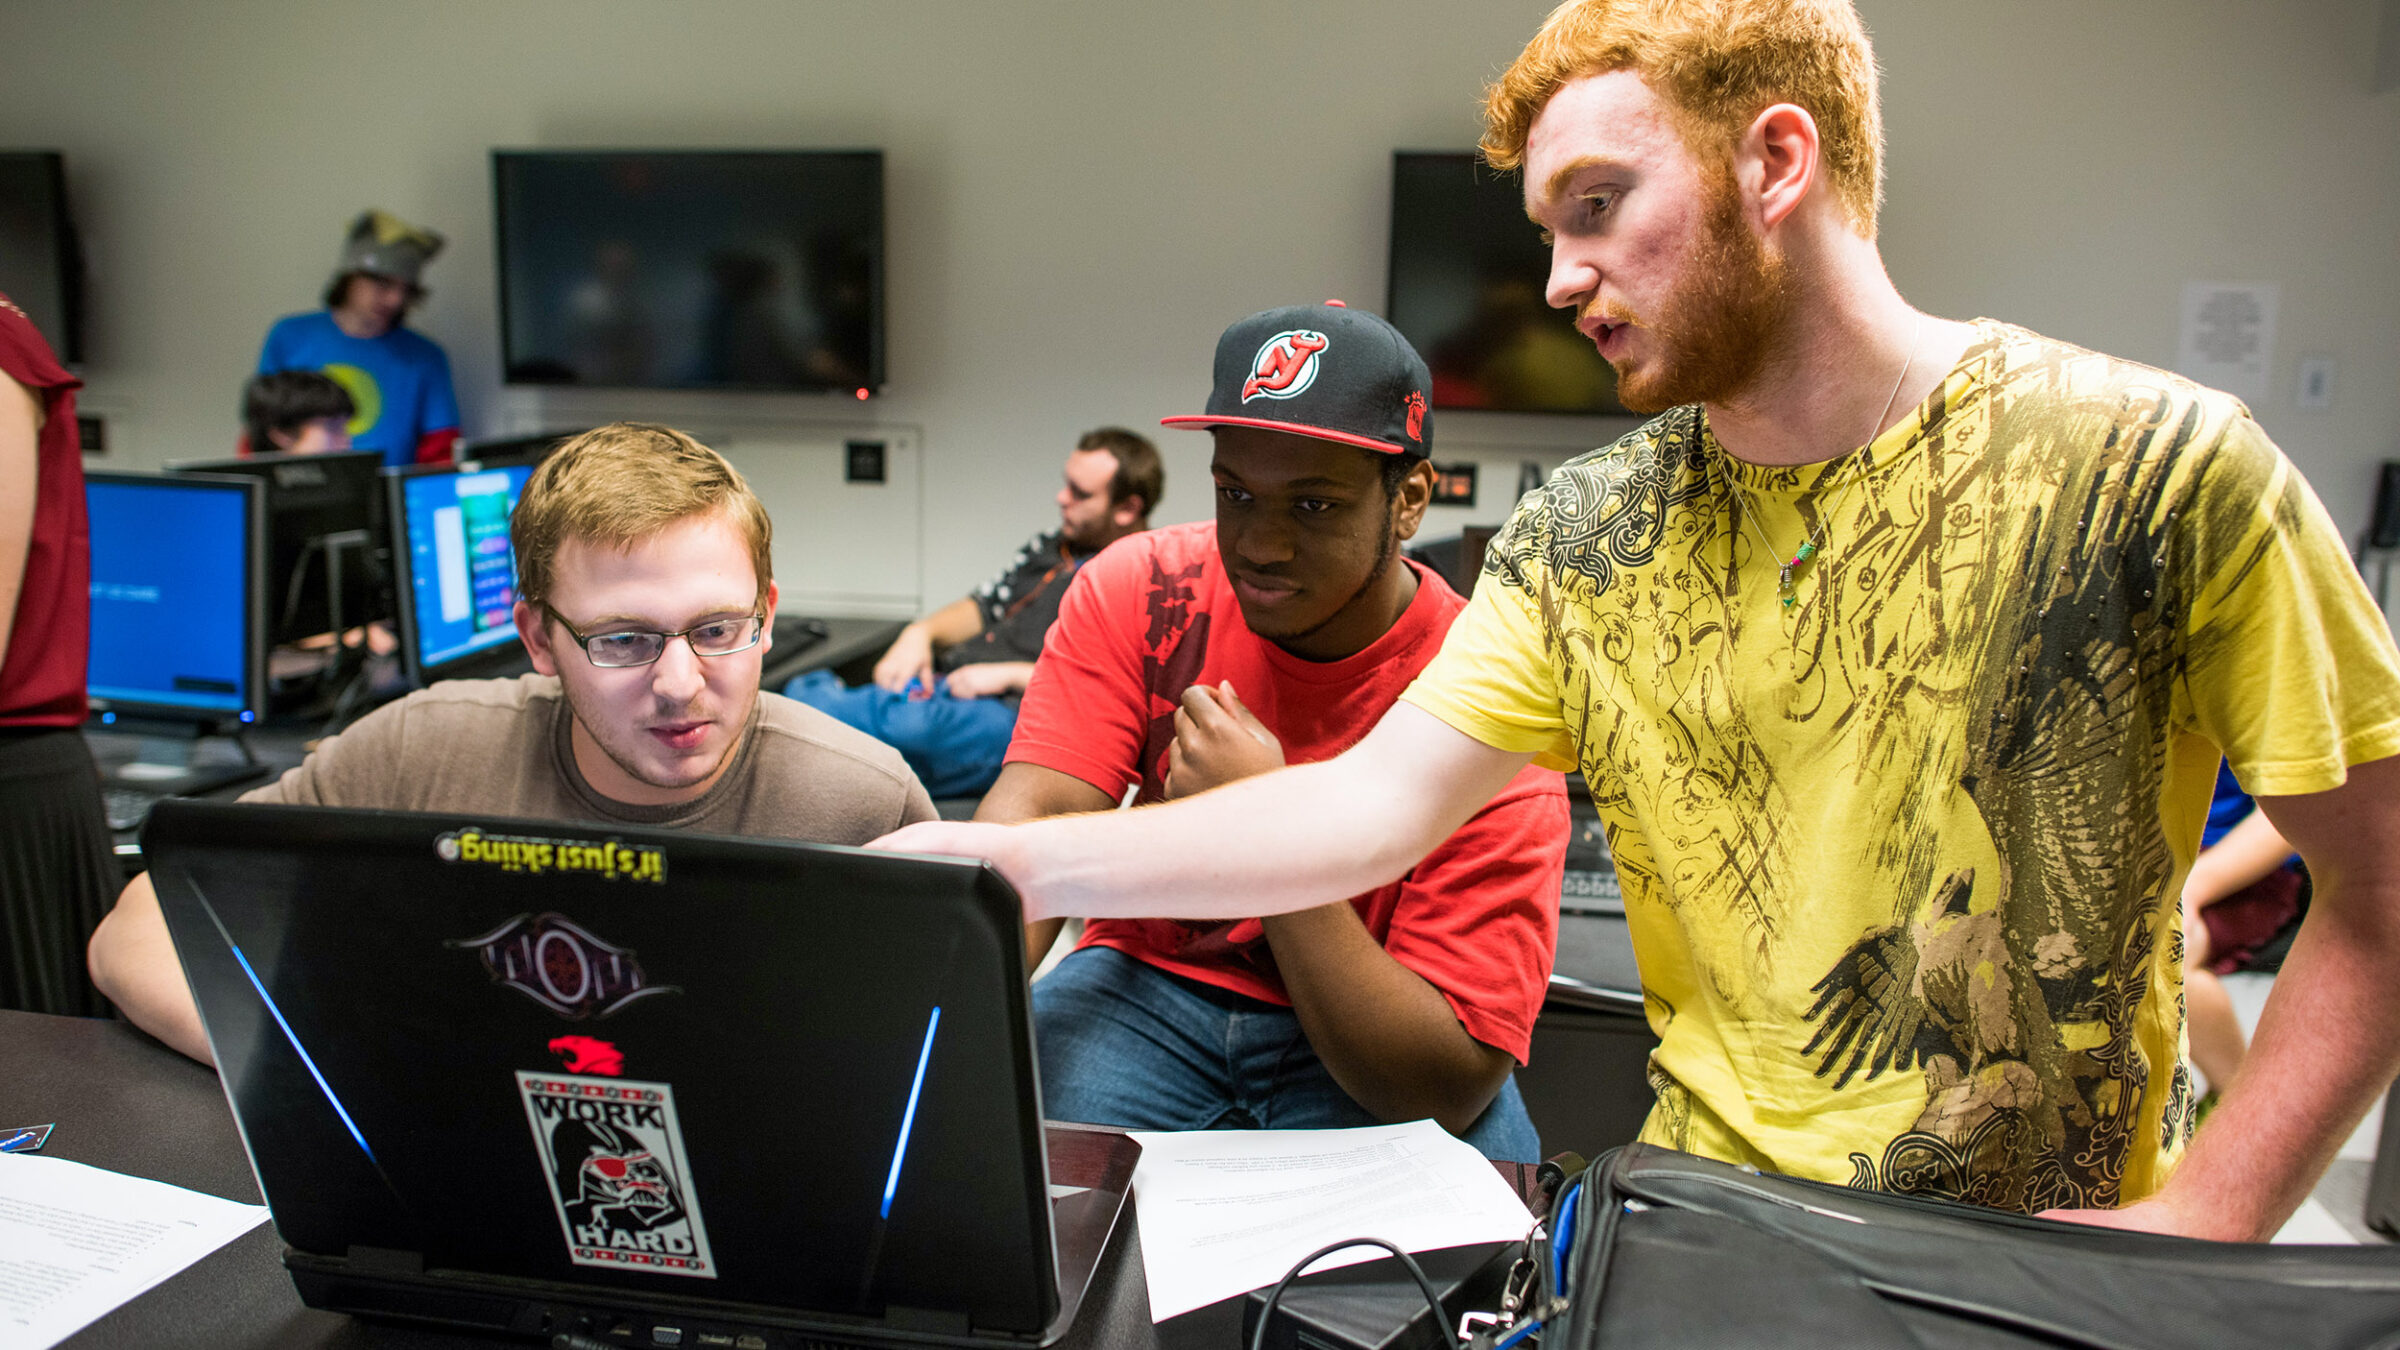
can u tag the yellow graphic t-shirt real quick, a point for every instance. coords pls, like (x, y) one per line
(1901, 856)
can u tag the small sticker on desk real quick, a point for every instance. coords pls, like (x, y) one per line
(26, 1138)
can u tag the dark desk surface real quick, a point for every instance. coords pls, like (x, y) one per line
(849, 643)
(124, 1102)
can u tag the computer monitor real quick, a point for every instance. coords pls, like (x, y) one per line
(452, 565)
(178, 648)
(325, 520)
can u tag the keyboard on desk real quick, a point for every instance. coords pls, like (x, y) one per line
(127, 807)
(127, 800)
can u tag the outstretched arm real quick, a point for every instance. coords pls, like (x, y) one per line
(2329, 1041)
(133, 962)
(1280, 842)
(1385, 1033)
(1031, 792)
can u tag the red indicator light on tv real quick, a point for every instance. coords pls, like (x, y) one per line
(862, 395)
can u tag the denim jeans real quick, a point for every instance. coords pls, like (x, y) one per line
(954, 745)
(1123, 1043)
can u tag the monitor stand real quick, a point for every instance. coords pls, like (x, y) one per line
(334, 679)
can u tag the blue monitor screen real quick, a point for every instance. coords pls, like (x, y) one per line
(171, 594)
(462, 577)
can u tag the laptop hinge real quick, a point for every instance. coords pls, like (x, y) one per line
(934, 1321)
(386, 1261)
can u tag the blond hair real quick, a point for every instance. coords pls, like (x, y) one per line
(617, 485)
(1717, 64)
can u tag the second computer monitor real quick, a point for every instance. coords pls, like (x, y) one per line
(455, 573)
(325, 517)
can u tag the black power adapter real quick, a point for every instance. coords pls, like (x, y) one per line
(1376, 1305)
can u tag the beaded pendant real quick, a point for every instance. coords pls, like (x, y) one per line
(1787, 571)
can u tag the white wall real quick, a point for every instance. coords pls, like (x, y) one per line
(1082, 194)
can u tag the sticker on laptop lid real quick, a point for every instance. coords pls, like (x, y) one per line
(26, 1138)
(562, 965)
(622, 1184)
(537, 855)
(586, 1054)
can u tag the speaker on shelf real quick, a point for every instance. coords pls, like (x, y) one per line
(2383, 528)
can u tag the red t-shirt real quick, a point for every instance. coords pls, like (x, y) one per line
(41, 680)
(1151, 616)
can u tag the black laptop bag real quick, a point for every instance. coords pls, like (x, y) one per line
(1672, 1251)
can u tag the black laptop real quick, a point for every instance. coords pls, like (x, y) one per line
(645, 1087)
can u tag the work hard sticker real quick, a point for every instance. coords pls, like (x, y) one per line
(623, 1185)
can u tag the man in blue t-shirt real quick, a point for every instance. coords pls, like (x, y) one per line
(398, 381)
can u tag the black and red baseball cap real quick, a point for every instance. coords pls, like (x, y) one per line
(1328, 371)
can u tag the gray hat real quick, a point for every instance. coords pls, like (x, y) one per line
(382, 244)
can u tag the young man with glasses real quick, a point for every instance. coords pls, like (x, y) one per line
(646, 599)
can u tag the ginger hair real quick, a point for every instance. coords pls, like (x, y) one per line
(1717, 64)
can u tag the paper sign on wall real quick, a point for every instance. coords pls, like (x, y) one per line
(2228, 337)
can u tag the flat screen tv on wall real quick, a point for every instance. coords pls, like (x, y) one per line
(1467, 275)
(709, 269)
(41, 269)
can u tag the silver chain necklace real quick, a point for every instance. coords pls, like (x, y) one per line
(1813, 544)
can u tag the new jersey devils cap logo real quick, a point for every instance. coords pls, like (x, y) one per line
(1286, 365)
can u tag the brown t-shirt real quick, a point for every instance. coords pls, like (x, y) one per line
(500, 748)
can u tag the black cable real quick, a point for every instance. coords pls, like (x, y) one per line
(1442, 1333)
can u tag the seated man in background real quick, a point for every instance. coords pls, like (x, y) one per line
(398, 379)
(1281, 631)
(945, 694)
(295, 412)
(646, 599)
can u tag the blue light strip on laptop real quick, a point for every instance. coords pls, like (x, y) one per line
(327, 1088)
(908, 1120)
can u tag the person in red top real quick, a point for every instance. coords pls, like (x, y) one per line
(57, 870)
(1191, 656)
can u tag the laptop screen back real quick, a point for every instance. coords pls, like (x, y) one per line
(775, 1074)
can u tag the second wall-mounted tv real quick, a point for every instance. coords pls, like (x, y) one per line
(710, 269)
(1468, 271)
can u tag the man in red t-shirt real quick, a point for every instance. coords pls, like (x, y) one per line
(1191, 656)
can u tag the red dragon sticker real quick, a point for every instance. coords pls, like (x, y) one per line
(585, 1054)
(1285, 365)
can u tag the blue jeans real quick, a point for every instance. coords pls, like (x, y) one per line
(955, 745)
(1124, 1043)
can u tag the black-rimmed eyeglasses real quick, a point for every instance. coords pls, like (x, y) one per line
(639, 647)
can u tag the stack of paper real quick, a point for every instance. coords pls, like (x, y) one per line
(76, 1242)
(1226, 1211)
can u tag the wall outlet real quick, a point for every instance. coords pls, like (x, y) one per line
(862, 461)
(92, 432)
